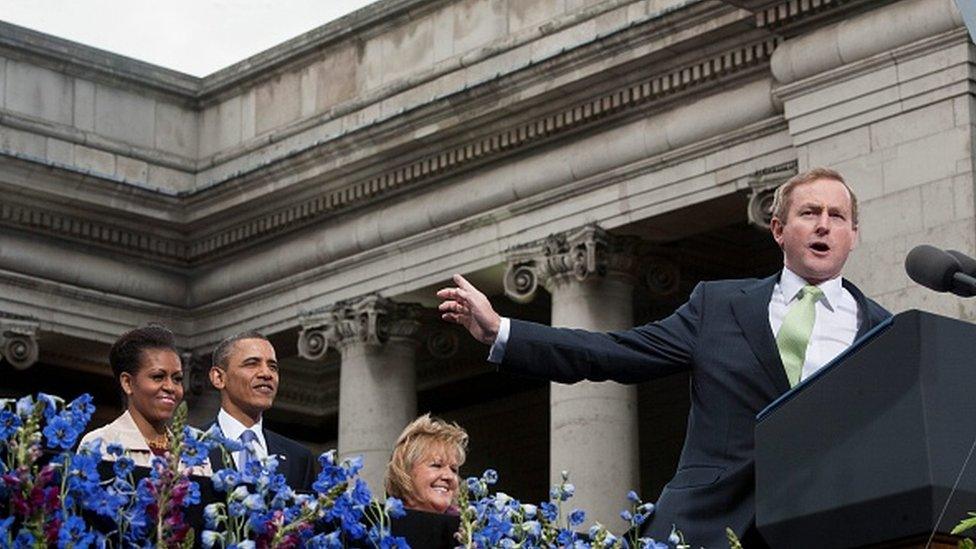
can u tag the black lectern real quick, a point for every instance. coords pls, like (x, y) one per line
(876, 447)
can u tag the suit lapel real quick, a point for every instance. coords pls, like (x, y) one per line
(863, 310)
(751, 311)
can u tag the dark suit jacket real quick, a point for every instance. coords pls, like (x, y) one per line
(294, 460)
(722, 336)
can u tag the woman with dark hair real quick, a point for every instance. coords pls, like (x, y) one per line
(149, 373)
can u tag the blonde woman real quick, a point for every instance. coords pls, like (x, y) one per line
(423, 471)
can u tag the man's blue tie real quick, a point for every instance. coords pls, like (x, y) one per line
(247, 455)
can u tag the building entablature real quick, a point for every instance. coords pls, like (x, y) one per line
(594, 118)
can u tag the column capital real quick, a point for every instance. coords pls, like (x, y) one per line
(196, 371)
(762, 188)
(581, 255)
(18, 340)
(370, 320)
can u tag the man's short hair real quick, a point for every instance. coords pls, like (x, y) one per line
(781, 198)
(125, 356)
(221, 354)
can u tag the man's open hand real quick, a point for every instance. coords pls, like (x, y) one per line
(467, 306)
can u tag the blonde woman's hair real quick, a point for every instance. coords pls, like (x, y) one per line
(423, 434)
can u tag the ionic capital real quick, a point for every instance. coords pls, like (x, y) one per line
(762, 188)
(18, 341)
(566, 257)
(584, 254)
(370, 320)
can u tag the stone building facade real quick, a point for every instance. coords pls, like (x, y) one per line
(584, 161)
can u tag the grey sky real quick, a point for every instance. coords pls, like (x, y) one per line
(197, 37)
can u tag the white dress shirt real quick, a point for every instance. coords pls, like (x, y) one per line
(836, 323)
(835, 327)
(233, 429)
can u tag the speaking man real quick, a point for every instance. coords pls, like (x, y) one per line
(745, 343)
(245, 371)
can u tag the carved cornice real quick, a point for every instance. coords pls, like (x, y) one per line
(207, 244)
(146, 243)
(788, 13)
(18, 340)
(370, 320)
(581, 255)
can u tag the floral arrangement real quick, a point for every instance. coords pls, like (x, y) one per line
(50, 496)
(502, 521)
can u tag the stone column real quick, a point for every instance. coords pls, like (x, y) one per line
(593, 425)
(18, 341)
(203, 400)
(377, 339)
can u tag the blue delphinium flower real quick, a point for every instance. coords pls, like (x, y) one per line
(24, 540)
(25, 406)
(123, 466)
(60, 433)
(192, 493)
(394, 507)
(5, 528)
(549, 511)
(490, 476)
(81, 410)
(50, 403)
(225, 480)
(577, 517)
(360, 494)
(353, 465)
(114, 449)
(209, 538)
(195, 451)
(9, 423)
(211, 515)
(72, 530)
(332, 540)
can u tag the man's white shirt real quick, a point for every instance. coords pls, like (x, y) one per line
(233, 429)
(834, 329)
(836, 324)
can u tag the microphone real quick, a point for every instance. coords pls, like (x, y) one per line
(967, 263)
(939, 270)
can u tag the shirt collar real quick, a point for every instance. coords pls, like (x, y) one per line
(790, 284)
(128, 434)
(232, 428)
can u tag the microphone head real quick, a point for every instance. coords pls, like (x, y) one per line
(931, 267)
(966, 263)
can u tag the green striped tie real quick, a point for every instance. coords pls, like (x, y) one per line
(794, 334)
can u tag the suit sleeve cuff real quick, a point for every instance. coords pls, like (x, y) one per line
(497, 353)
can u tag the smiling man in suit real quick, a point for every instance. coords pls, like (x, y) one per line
(245, 371)
(745, 343)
